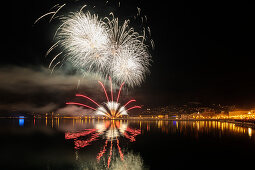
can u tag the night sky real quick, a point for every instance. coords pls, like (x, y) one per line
(204, 52)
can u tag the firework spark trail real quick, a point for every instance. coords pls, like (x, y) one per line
(53, 12)
(119, 92)
(51, 48)
(129, 102)
(122, 111)
(104, 90)
(82, 8)
(102, 111)
(110, 155)
(69, 135)
(82, 143)
(111, 87)
(101, 153)
(80, 95)
(49, 13)
(54, 67)
(54, 59)
(80, 104)
(56, 12)
(131, 138)
(138, 107)
(134, 132)
(57, 5)
(121, 154)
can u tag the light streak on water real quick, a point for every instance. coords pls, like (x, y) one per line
(21, 120)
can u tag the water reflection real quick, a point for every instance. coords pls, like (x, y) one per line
(216, 128)
(66, 143)
(131, 161)
(21, 120)
(108, 131)
(250, 132)
(112, 130)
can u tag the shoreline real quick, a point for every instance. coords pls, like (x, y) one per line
(237, 122)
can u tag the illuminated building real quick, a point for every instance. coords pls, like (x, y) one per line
(238, 112)
(242, 114)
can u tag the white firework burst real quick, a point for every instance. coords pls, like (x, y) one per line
(130, 57)
(84, 40)
(111, 109)
(127, 68)
(103, 47)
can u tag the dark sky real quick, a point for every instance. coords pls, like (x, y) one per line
(204, 52)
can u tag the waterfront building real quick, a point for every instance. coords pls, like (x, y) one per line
(238, 112)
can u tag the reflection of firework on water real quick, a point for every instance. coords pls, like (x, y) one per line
(110, 109)
(105, 47)
(110, 131)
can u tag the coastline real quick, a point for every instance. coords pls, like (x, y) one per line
(249, 123)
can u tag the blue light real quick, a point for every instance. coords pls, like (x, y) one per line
(174, 122)
(21, 120)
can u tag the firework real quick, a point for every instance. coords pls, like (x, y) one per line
(109, 109)
(129, 56)
(84, 40)
(102, 46)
